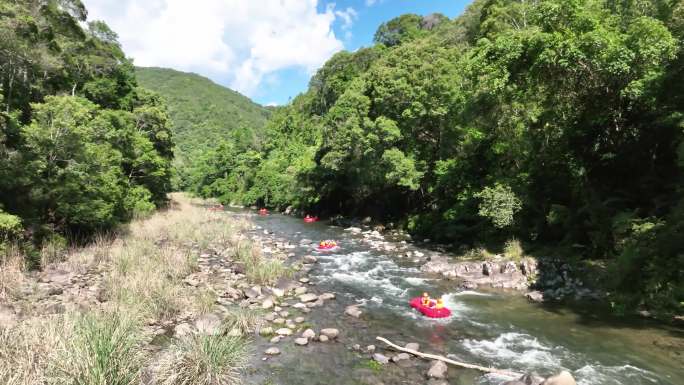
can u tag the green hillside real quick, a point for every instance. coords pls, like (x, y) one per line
(203, 113)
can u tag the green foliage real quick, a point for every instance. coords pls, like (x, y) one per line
(202, 115)
(10, 226)
(82, 147)
(499, 204)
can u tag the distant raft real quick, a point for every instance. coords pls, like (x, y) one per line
(263, 211)
(430, 311)
(310, 219)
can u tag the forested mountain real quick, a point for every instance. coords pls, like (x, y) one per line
(82, 147)
(203, 113)
(556, 122)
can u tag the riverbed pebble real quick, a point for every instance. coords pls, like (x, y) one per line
(353, 310)
(380, 358)
(323, 338)
(326, 296)
(413, 346)
(309, 333)
(401, 357)
(301, 341)
(330, 333)
(272, 351)
(299, 320)
(438, 369)
(284, 332)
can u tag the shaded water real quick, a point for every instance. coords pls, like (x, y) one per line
(490, 328)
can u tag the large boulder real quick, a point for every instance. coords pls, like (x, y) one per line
(563, 378)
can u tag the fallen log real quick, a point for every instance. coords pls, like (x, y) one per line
(501, 372)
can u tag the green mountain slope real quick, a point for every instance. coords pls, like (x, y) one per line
(203, 113)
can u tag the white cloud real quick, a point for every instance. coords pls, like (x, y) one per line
(235, 42)
(371, 2)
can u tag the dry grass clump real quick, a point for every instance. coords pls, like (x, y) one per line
(204, 360)
(243, 321)
(513, 250)
(92, 349)
(12, 267)
(103, 349)
(259, 269)
(26, 349)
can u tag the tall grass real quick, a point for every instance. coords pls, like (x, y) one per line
(103, 350)
(12, 266)
(259, 269)
(243, 321)
(513, 250)
(204, 360)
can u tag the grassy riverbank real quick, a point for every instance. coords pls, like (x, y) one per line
(95, 315)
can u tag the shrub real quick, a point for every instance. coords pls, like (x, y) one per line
(499, 204)
(513, 249)
(10, 226)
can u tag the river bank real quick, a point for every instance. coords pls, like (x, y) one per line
(189, 283)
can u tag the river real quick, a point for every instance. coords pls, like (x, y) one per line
(489, 327)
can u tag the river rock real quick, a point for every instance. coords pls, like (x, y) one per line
(326, 296)
(330, 333)
(435, 381)
(267, 304)
(251, 293)
(535, 296)
(284, 332)
(401, 357)
(279, 321)
(272, 351)
(514, 382)
(353, 310)
(413, 346)
(308, 297)
(301, 290)
(309, 333)
(275, 339)
(380, 358)
(370, 348)
(278, 292)
(563, 378)
(299, 320)
(438, 369)
(310, 259)
(323, 338)
(301, 341)
(304, 280)
(208, 324)
(182, 330)
(531, 379)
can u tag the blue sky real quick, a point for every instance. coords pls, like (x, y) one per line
(292, 81)
(265, 49)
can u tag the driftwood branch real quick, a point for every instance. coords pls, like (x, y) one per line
(452, 362)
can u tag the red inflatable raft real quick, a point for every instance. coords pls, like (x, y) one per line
(327, 245)
(430, 311)
(263, 212)
(308, 219)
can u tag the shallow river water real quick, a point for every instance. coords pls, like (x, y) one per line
(489, 328)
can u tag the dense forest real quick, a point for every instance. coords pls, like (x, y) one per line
(82, 147)
(202, 115)
(557, 122)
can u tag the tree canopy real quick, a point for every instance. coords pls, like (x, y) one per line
(82, 147)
